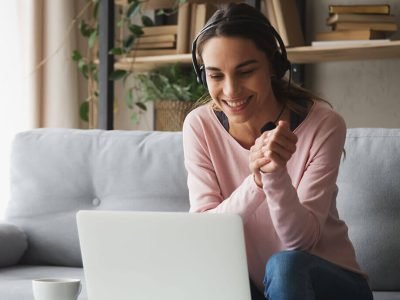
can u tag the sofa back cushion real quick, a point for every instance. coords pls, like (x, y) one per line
(56, 172)
(369, 202)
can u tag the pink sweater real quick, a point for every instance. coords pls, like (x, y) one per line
(295, 209)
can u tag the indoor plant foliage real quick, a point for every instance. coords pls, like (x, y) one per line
(169, 82)
(130, 20)
(170, 87)
(89, 29)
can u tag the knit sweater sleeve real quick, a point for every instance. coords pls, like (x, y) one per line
(203, 162)
(299, 214)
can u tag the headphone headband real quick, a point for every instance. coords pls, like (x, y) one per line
(284, 63)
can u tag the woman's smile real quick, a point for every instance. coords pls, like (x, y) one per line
(237, 105)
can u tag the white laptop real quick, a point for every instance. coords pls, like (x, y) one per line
(158, 255)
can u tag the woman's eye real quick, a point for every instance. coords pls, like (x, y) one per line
(216, 76)
(246, 72)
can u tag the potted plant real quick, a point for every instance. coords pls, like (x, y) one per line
(173, 88)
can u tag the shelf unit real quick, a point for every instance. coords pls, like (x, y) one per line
(353, 52)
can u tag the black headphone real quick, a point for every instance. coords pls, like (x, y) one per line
(280, 60)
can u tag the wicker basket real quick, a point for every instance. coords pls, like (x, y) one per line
(169, 115)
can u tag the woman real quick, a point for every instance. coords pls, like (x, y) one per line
(282, 182)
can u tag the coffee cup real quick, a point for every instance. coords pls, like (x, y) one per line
(56, 288)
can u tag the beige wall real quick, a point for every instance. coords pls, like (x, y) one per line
(366, 93)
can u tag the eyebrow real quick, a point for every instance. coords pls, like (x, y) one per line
(246, 63)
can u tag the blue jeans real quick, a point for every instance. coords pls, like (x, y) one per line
(298, 275)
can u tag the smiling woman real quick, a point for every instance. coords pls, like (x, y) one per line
(269, 151)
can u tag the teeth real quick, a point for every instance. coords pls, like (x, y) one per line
(236, 103)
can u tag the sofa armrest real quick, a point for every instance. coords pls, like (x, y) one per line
(13, 243)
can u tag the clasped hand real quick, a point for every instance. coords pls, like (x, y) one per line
(272, 150)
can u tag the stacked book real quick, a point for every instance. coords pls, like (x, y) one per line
(358, 23)
(200, 13)
(156, 40)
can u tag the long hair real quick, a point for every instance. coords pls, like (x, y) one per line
(296, 98)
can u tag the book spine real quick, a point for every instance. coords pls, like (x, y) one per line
(156, 39)
(182, 39)
(161, 45)
(152, 52)
(350, 35)
(159, 30)
(270, 13)
(360, 9)
(288, 21)
(336, 18)
(387, 27)
(193, 33)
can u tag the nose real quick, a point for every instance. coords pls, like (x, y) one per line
(231, 87)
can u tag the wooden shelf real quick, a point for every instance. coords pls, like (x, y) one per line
(150, 62)
(363, 51)
(301, 55)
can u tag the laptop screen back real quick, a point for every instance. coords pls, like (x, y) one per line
(170, 256)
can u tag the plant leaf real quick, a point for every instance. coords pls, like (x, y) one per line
(128, 42)
(117, 74)
(136, 30)
(141, 105)
(133, 9)
(129, 98)
(83, 68)
(96, 9)
(91, 67)
(160, 12)
(147, 21)
(85, 29)
(76, 56)
(92, 39)
(84, 111)
(116, 51)
(134, 118)
(120, 22)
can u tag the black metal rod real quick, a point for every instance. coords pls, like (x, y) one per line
(106, 65)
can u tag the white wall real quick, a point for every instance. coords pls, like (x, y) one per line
(366, 93)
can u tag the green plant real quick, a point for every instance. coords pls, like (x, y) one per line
(174, 82)
(168, 82)
(130, 20)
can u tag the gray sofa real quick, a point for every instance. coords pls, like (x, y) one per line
(56, 172)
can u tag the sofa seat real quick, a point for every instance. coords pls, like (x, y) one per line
(16, 281)
(386, 295)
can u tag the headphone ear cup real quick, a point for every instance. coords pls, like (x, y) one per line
(203, 77)
(281, 64)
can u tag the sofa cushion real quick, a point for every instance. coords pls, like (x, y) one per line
(369, 202)
(13, 243)
(56, 172)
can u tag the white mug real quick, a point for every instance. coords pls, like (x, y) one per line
(56, 288)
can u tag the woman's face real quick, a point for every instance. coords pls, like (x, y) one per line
(239, 79)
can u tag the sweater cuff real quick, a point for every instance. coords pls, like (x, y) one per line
(278, 187)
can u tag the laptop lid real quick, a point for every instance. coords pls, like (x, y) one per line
(162, 255)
